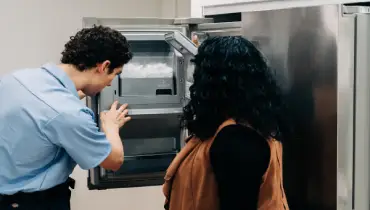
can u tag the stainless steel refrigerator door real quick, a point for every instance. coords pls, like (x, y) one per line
(345, 112)
(302, 46)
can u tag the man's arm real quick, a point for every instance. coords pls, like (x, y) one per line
(116, 156)
(79, 135)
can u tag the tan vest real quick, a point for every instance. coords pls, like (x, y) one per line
(190, 183)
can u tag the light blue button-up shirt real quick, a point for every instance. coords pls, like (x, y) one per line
(45, 130)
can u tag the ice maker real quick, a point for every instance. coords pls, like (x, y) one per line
(154, 86)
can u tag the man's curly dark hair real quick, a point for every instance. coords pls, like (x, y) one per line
(233, 80)
(91, 46)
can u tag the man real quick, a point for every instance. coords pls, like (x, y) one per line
(45, 130)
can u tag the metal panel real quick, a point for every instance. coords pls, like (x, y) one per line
(265, 5)
(218, 26)
(362, 125)
(113, 22)
(144, 35)
(90, 21)
(155, 111)
(301, 46)
(181, 43)
(345, 111)
(220, 29)
(192, 21)
(356, 9)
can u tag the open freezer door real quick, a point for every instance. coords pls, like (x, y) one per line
(187, 48)
(181, 43)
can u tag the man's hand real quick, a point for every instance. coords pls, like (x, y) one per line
(81, 94)
(111, 121)
(114, 119)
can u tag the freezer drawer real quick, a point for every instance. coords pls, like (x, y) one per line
(148, 86)
(151, 141)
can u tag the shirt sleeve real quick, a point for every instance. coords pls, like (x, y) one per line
(239, 158)
(79, 135)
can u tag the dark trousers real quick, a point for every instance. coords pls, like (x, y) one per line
(56, 198)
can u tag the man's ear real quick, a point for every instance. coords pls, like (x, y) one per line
(103, 67)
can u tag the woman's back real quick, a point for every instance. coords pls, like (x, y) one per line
(237, 169)
(227, 165)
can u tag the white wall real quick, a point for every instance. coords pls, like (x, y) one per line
(196, 5)
(175, 8)
(34, 31)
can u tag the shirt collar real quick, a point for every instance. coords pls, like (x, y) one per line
(61, 76)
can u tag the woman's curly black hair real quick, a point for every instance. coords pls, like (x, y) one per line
(232, 80)
(91, 46)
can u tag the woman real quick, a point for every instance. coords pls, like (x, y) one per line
(232, 160)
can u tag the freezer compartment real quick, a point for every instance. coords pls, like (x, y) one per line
(150, 128)
(151, 71)
(146, 156)
(139, 171)
(151, 65)
(154, 76)
(142, 148)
